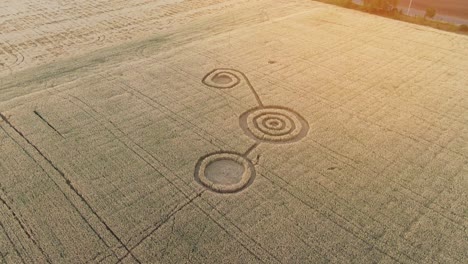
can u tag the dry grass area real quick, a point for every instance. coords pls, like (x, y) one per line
(265, 131)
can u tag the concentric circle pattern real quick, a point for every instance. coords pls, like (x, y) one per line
(222, 79)
(224, 172)
(274, 124)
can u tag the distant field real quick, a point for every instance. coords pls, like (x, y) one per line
(453, 11)
(458, 8)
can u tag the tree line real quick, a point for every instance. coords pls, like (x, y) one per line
(391, 6)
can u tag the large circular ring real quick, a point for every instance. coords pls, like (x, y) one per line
(224, 172)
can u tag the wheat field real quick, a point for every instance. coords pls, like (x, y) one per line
(229, 131)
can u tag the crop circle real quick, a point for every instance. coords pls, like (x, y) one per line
(222, 79)
(274, 124)
(224, 172)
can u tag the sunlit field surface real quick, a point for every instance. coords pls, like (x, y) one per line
(217, 131)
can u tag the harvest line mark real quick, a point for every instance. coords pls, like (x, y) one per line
(28, 233)
(45, 121)
(70, 185)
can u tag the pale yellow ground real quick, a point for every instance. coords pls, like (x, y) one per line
(104, 117)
